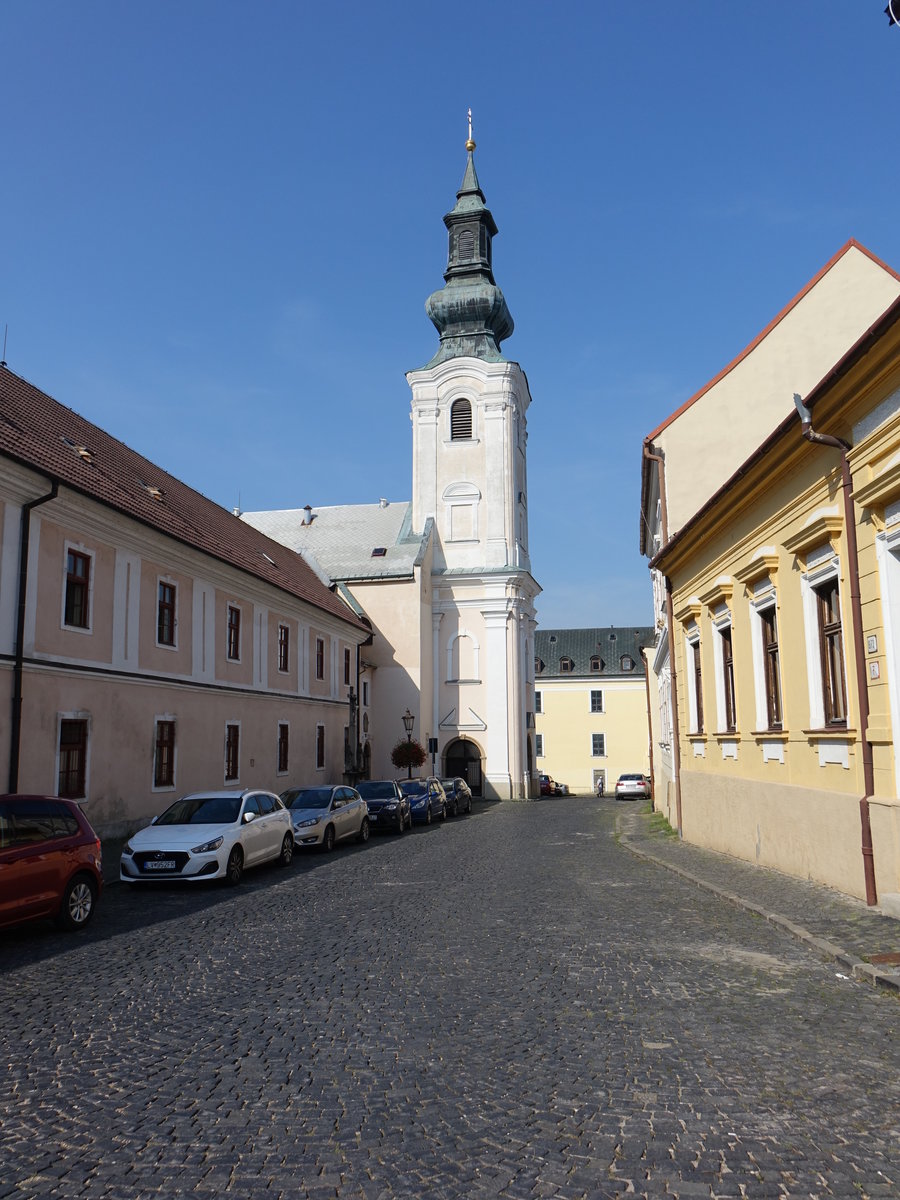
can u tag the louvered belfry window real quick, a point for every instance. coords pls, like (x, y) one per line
(460, 420)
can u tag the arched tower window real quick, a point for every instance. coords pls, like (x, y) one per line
(460, 420)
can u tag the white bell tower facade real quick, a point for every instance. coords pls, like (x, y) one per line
(469, 423)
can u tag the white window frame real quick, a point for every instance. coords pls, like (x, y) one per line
(764, 601)
(538, 701)
(539, 751)
(598, 692)
(279, 668)
(692, 646)
(320, 766)
(721, 621)
(229, 605)
(603, 753)
(821, 568)
(173, 645)
(78, 548)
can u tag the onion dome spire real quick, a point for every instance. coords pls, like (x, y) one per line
(469, 312)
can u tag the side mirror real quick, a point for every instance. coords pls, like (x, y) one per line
(248, 817)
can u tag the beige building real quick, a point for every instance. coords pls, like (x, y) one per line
(151, 643)
(696, 449)
(785, 635)
(591, 706)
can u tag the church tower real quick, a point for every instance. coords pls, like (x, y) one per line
(469, 409)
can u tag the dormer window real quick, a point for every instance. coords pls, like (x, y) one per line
(461, 421)
(566, 666)
(596, 663)
(627, 662)
(538, 666)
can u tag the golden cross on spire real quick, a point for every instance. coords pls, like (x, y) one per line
(470, 145)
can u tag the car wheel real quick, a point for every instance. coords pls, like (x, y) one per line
(443, 812)
(469, 805)
(78, 902)
(401, 824)
(364, 830)
(428, 815)
(234, 868)
(328, 839)
(287, 851)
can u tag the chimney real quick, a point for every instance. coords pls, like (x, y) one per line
(382, 502)
(306, 519)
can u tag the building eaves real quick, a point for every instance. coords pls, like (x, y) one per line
(854, 355)
(45, 436)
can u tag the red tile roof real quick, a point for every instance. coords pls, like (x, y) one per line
(37, 431)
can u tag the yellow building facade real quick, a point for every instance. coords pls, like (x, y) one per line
(591, 706)
(785, 638)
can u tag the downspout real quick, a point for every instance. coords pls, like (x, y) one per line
(862, 687)
(670, 627)
(15, 730)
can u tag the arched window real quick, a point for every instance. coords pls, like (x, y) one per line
(566, 666)
(460, 420)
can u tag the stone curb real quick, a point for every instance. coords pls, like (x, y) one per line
(857, 968)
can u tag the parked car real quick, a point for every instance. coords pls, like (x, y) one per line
(560, 789)
(459, 795)
(322, 816)
(427, 799)
(632, 787)
(548, 787)
(210, 835)
(49, 862)
(388, 807)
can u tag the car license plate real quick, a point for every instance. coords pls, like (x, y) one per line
(373, 816)
(160, 864)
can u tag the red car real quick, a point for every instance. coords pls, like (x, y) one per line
(49, 862)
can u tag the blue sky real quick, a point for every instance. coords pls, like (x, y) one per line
(220, 222)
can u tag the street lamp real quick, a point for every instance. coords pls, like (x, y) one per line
(408, 721)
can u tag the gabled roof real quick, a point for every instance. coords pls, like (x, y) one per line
(344, 541)
(607, 642)
(852, 244)
(40, 433)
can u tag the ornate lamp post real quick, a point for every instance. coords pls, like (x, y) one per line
(408, 721)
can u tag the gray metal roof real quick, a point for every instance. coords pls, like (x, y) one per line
(339, 539)
(608, 643)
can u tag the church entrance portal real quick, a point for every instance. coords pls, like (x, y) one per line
(463, 758)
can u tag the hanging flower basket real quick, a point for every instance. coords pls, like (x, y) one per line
(408, 754)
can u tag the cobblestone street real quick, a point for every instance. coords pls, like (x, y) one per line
(507, 1005)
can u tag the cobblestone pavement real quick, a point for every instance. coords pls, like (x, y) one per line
(508, 1005)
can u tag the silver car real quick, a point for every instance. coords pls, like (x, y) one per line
(632, 787)
(322, 816)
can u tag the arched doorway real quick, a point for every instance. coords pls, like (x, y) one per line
(463, 758)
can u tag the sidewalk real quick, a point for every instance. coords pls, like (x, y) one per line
(837, 926)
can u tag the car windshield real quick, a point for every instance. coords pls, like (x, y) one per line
(307, 798)
(631, 777)
(413, 787)
(371, 790)
(449, 785)
(202, 810)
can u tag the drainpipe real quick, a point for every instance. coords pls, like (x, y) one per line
(862, 686)
(15, 731)
(670, 627)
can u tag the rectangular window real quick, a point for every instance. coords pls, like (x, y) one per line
(320, 747)
(284, 648)
(539, 745)
(697, 677)
(78, 583)
(365, 695)
(771, 673)
(164, 755)
(234, 632)
(346, 666)
(320, 658)
(165, 615)
(282, 748)
(831, 652)
(730, 713)
(598, 745)
(538, 702)
(232, 752)
(596, 701)
(72, 759)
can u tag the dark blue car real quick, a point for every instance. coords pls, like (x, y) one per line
(427, 800)
(388, 807)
